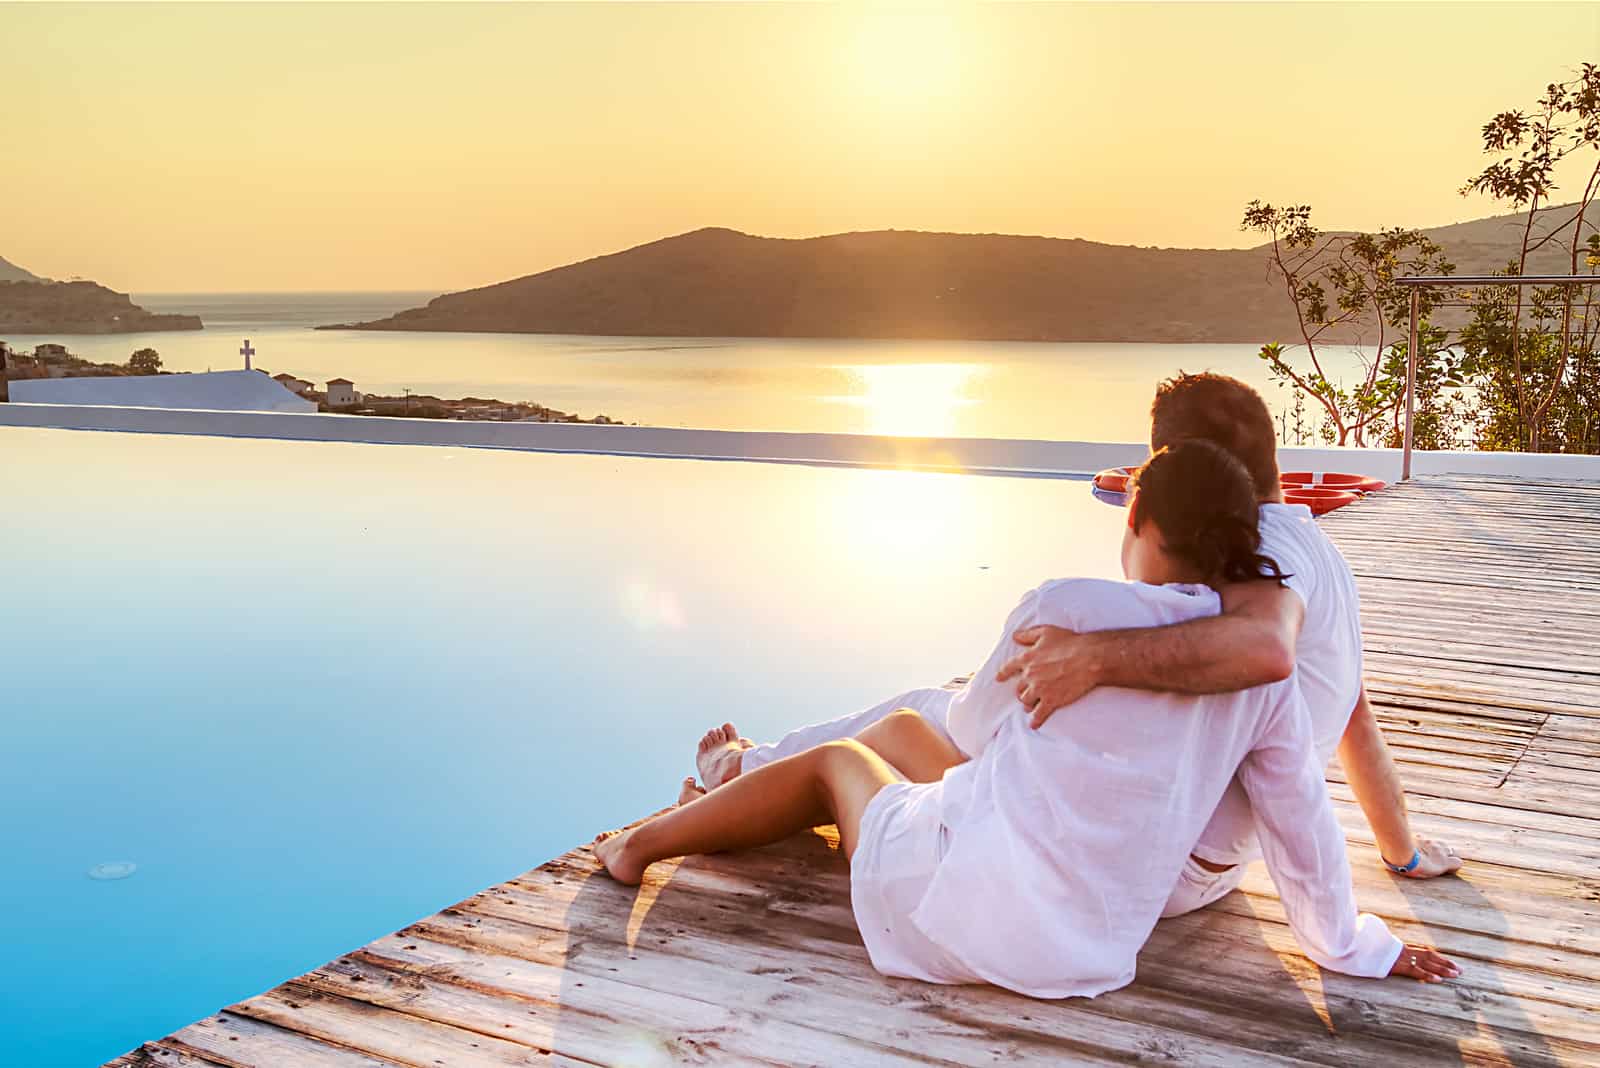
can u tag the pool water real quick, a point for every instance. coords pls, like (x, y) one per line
(312, 692)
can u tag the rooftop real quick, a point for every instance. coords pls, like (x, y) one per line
(1479, 597)
(231, 391)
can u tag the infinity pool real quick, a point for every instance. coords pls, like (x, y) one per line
(315, 691)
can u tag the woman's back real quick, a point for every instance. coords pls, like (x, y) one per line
(1064, 843)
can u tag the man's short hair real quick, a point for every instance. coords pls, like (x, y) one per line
(1221, 410)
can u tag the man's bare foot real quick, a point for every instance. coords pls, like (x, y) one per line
(690, 791)
(611, 848)
(721, 755)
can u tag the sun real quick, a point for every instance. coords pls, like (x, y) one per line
(905, 59)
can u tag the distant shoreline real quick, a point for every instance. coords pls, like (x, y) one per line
(384, 327)
(78, 308)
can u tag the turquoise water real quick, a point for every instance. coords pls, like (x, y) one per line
(315, 691)
(1082, 392)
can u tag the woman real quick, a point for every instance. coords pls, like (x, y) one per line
(1040, 860)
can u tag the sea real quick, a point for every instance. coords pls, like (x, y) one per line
(1081, 391)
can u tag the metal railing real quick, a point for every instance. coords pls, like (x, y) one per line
(1417, 283)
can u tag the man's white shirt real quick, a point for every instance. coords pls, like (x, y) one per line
(1327, 659)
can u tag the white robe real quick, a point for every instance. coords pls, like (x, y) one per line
(1049, 856)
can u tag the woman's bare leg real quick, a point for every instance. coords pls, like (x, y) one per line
(912, 746)
(829, 784)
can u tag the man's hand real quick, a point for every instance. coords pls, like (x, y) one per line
(1422, 963)
(1437, 859)
(1055, 668)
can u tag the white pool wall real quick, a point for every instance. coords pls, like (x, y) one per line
(998, 456)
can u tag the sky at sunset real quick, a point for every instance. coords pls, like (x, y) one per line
(385, 146)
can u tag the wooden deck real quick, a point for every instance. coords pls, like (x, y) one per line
(1481, 604)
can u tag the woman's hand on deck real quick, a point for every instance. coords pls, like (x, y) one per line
(1424, 964)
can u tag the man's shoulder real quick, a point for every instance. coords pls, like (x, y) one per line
(1292, 522)
(1291, 535)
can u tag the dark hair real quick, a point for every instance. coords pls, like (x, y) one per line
(1221, 410)
(1202, 500)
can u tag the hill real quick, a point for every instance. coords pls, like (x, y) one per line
(40, 307)
(903, 284)
(883, 284)
(1482, 246)
(10, 272)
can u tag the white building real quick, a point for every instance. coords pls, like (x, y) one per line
(221, 391)
(297, 386)
(342, 393)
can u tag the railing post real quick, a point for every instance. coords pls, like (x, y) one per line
(1411, 381)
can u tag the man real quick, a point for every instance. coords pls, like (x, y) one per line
(1262, 636)
(1312, 627)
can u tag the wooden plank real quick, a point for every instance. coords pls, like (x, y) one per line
(390, 1035)
(1492, 815)
(164, 1055)
(1570, 734)
(1386, 673)
(244, 1043)
(592, 1018)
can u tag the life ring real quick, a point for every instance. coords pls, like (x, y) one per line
(1331, 480)
(1320, 499)
(1113, 479)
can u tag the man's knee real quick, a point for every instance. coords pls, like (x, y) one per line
(1200, 885)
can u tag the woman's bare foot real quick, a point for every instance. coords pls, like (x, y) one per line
(721, 755)
(611, 848)
(690, 791)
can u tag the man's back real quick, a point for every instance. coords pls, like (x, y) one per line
(1328, 652)
(1327, 660)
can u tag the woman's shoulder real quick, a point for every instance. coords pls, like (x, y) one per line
(1104, 604)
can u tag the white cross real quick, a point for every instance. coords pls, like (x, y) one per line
(247, 352)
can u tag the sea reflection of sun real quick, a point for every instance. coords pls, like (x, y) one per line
(913, 399)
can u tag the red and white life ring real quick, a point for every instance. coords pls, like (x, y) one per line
(1322, 492)
(1320, 499)
(1113, 479)
(1331, 480)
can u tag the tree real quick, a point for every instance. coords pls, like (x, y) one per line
(145, 362)
(1445, 413)
(1534, 348)
(1343, 290)
(1533, 395)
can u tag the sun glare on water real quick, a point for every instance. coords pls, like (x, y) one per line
(913, 399)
